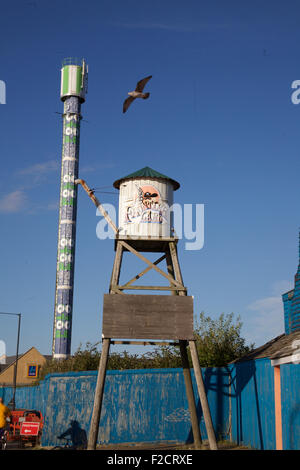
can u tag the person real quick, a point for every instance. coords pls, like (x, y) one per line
(4, 414)
(77, 435)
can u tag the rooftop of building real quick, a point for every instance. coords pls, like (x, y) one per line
(279, 347)
(9, 360)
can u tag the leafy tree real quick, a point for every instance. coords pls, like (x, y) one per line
(161, 357)
(88, 359)
(83, 359)
(219, 341)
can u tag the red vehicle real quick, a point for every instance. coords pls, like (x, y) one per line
(26, 426)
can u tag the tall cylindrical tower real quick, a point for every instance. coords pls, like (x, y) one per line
(73, 90)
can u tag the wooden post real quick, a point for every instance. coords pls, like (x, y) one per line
(99, 206)
(175, 262)
(172, 269)
(190, 395)
(277, 399)
(94, 427)
(195, 359)
(116, 269)
(203, 398)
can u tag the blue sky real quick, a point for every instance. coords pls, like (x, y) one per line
(219, 120)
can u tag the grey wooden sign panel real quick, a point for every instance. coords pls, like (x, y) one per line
(147, 317)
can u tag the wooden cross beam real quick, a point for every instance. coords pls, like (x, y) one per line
(182, 288)
(150, 264)
(146, 343)
(138, 276)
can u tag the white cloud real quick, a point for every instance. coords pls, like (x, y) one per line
(13, 202)
(53, 206)
(266, 319)
(267, 304)
(36, 208)
(280, 287)
(40, 168)
(179, 28)
(97, 167)
(37, 173)
(32, 176)
(17, 201)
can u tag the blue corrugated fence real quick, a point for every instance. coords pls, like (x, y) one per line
(150, 405)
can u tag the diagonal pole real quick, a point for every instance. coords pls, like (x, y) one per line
(196, 365)
(203, 398)
(98, 204)
(186, 368)
(94, 427)
(190, 395)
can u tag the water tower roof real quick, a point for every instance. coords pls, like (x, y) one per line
(147, 172)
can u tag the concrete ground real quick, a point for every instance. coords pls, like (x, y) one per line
(224, 445)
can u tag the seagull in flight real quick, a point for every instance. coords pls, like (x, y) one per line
(137, 93)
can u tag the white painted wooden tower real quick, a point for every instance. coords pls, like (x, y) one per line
(145, 225)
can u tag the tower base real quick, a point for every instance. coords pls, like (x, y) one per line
(154, 317)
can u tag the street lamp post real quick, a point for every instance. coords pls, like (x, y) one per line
(13, 401)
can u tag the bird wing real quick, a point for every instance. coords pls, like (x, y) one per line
(141, 84)
(127, 103)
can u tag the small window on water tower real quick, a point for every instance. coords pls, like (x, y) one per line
(32, 371)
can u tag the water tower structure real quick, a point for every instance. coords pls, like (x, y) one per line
(144, 204)
(146, 226)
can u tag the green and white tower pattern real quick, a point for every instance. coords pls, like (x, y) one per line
(73, 89)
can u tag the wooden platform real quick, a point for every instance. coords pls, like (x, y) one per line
(147, 245)
(148, 317)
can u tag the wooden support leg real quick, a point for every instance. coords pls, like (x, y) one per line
(116, 270)
(203, 398)
(198, 375)
(175, 262)
(170, 270)
(190, 395)
(94, 427)
(174, 270)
